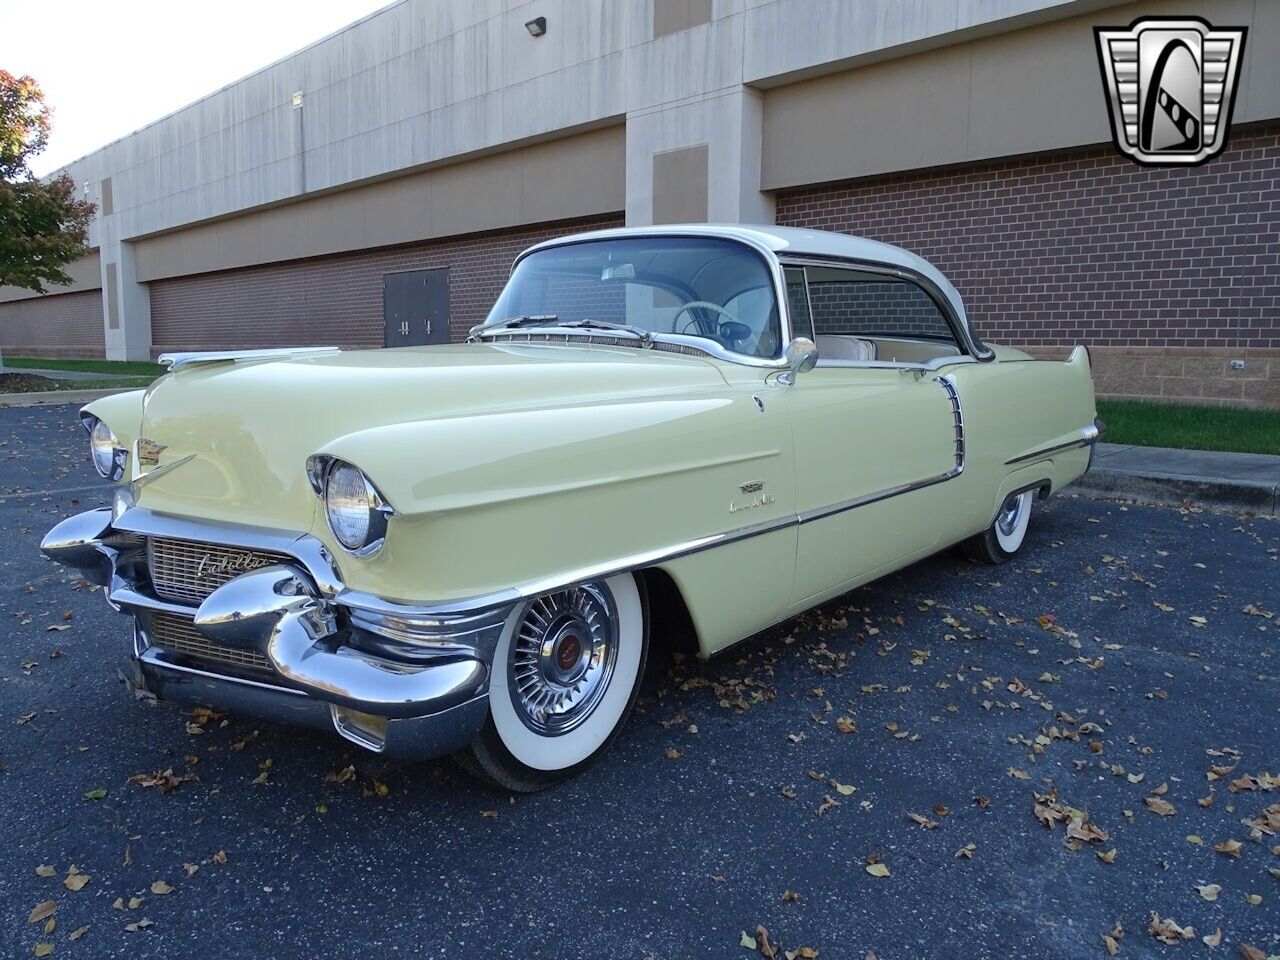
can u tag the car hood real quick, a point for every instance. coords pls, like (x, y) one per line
(248, 427)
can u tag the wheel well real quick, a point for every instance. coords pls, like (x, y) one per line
(670, 623)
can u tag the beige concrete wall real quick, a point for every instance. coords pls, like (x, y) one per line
(577, 176)
(85, 274)
(1033, 90)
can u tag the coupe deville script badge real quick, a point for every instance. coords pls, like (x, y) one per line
(751, 486)
(1170, 84)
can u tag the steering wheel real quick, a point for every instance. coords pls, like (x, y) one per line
(709, 306)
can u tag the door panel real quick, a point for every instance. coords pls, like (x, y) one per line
(415, 307)
(864, 439)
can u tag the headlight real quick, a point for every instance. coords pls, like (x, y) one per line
(356, 513)
(108, 456)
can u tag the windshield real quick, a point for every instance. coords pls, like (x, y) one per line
(698, 286)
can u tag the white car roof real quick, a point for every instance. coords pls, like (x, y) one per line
(790, 240)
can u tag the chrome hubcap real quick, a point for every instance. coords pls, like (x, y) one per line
(1007, 521)
(562, 658)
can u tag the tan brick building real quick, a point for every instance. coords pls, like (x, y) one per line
(413, 154)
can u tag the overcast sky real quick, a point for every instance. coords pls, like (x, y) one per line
(108, 67)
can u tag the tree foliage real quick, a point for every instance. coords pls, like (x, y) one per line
(43, 227)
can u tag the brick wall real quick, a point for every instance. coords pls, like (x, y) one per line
(56, 325)
(1172, 272)
(336, 300)
(870, 307)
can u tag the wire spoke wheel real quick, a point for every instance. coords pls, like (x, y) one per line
(563, 657)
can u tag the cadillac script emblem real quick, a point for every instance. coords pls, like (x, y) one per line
(149, 452)
(1170, 85)
(209, 566)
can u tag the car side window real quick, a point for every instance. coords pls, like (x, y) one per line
(856, 303)
(798, 303)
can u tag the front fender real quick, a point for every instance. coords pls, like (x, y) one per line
(503, 499)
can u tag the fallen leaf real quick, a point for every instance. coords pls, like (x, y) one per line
(77, 933)
(877, 869)
(1108, 856)
(42, 911)
(1251, 952)
(43, 949)
(1209, 891)
(1253, 899)
(1212, 939)
(45, 870)
(746, 940)
(766, 948)
(138, 925)
(99, 794)
(671, 753)
(160, 888)
(922, 821)
(75, 880)
(1109, 942)
(1166, 930)
(1161, 806)
(966, 852)
(1231, 848)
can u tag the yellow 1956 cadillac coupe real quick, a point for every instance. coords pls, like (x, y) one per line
(462, 549)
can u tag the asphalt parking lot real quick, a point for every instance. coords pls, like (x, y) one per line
(1031, 756)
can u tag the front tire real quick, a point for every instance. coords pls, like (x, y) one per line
(1000, 541)
(565, 676)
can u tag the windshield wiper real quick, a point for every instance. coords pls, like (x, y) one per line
(528, 320)
(588, 323)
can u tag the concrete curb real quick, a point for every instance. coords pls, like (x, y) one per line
(1262, 499)
(43, 397)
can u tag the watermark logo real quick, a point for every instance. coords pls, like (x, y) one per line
(1170, 84)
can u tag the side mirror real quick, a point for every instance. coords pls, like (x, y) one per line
(802, 354)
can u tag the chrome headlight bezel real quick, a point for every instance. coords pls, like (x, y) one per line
(320, 471)
(108, 456)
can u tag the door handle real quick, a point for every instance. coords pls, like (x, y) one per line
(404, 328)
(428, 326)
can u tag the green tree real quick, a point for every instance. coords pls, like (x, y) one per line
(43, 227)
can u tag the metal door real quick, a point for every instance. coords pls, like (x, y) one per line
(415, 307)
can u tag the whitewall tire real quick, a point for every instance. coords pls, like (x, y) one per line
(1000, 541)
(565, 675)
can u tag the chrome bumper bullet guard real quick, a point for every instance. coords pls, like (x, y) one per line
(401, 680)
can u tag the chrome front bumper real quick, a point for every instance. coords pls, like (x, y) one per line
(397, 679)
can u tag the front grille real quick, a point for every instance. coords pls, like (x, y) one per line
(178, 634)
(186, 571)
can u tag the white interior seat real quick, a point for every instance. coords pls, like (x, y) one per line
(844, 348)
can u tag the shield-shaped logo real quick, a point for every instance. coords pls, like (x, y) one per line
(1171, 84)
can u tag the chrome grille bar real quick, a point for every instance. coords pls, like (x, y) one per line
(187, 571)
(178, 634)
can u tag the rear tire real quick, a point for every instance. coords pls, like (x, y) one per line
(565, 675)
(1000, 541)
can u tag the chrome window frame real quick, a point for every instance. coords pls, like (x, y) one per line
(959, 328)
(704, 344)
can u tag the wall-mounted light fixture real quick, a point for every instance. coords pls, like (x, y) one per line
(297, 99)
(536, 27)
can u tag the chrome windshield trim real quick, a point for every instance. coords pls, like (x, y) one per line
(1088, 436)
